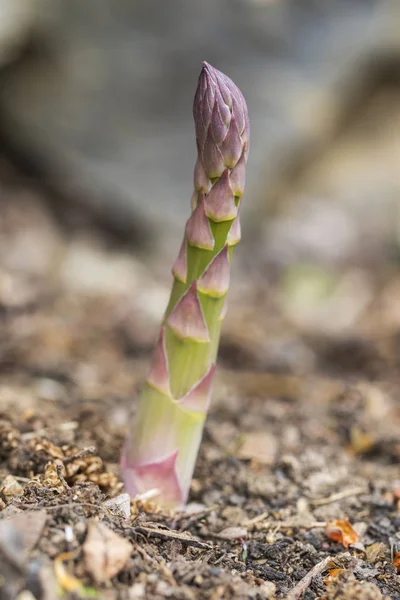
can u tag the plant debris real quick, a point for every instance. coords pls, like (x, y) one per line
(341, 531)
(105, 552)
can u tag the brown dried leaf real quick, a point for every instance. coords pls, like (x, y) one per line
(105, 552)
(396, 561)
(10, 487)
(341, 531)
(375, 552)
(46, 446)
(51, 477)
(334, 574)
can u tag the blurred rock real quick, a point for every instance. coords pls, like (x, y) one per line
(345, 203)
(259, 446)
(101, 102)
(18, 535)
(18, 20)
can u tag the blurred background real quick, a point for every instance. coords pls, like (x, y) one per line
(97, 150)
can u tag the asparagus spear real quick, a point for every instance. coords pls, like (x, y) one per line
(163, 441)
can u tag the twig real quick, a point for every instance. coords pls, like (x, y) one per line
(60, 475)
(299, 589)
(258, 523)
(289, 525)
(220, 559)
(172, 535)
(66, 505)
(89, 451)
(339, 496)
(227, 538)
(149, 495)
(255, 520)
(194, 517)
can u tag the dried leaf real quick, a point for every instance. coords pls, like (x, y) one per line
(341, 531)
(375, 552)
(333, 575)
(121, 505)
(10, 487)
(105, 552)
(65, 580)
(396, 561)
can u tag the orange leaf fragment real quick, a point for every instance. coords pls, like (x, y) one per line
(341, 531)
(334, 574)
(396, 561)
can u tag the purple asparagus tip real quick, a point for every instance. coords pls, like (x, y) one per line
(222, 124)
(162, 445)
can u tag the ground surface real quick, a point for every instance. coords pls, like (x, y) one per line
(303, 431)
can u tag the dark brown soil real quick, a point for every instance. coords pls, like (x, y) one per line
(303, 431)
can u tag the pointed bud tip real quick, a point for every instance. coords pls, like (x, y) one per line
(158, 376)
(230, 93)
(221, 122)
(160, 474)
(215, 280)
(179, 269)
(198, 230)
(198, 398)
(187, 319)
(220, 202)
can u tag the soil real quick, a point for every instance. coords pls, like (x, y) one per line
(296, 492)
